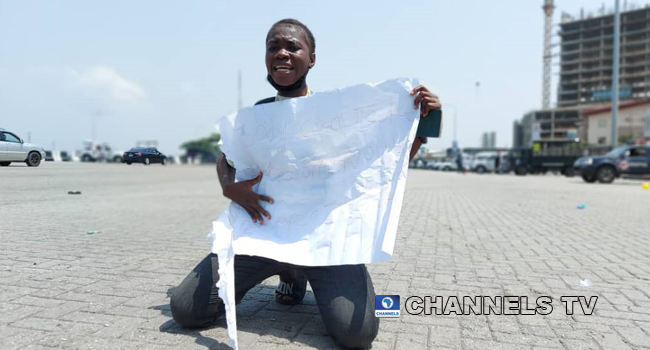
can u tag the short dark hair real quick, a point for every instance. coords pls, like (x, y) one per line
(297, 23)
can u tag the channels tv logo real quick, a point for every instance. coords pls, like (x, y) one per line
(386, 305)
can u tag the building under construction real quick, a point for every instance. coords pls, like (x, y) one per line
(585, 86)
(586, 58)
(547, 125)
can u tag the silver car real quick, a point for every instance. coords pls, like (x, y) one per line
(14, 149)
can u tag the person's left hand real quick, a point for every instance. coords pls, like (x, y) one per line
(425, 99)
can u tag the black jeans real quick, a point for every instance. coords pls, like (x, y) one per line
(344, 294)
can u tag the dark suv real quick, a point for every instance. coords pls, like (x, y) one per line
(143, 155)
(628, 161)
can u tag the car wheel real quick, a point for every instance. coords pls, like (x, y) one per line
(5, 163)
(146, 161)
(129, 163)
(33, 159)
(606, 175)
(520, 171)
(117, 159)
(446, 168)
(588, 179)
(480, 170)
(162, 161)
(85, 158)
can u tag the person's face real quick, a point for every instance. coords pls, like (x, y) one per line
(287, 54)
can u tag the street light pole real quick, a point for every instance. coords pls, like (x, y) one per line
(455, 141)
(646, 126)
(94, 121)
(615, 64)
(240, 104)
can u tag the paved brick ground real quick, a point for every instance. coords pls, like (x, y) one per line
(459, 236)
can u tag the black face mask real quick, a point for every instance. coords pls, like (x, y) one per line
(299, 84)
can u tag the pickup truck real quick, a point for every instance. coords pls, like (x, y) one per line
(95, 152)
(484, 162)
(629, 161)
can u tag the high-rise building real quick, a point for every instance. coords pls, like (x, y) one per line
(489, 140)
(559, 124)
(586, 58)
(517, 134)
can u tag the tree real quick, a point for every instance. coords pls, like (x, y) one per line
(207, 144)
(207, 148)
(623, 139)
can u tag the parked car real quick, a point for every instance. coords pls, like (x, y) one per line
(484, 162)
(431, 165)
(65, 156)
(144, 155)
(625, 161)
(93, 151)
(636, 163)
(446, 166)
(15, 149)
(417, 164)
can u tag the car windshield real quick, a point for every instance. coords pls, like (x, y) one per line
(616, 152)
(137, 150)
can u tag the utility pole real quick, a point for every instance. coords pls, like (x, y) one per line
(615, 63)
(454, 144)
(93, 127)
(239, 89)
(646, 127)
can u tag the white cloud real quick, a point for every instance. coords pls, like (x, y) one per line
(105, 78)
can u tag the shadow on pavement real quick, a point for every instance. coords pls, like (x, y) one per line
(245, 318)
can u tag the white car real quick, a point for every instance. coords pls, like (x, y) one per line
(432, 165)
(484, 162)
(98, 152)
(446, 166)
(14, 149)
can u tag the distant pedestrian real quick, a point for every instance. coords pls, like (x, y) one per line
(459, 162)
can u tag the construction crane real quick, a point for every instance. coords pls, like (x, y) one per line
(548, 28)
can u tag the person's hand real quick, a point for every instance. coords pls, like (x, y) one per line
(242, 194)
(425, 100)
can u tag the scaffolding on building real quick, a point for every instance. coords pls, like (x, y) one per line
(586, 58)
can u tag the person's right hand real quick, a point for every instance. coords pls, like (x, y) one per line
(242, 194)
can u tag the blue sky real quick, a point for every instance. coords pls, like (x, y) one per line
(167, 70)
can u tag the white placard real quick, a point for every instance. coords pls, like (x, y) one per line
(335, 164)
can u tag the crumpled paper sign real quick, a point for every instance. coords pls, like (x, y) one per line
(335, 164)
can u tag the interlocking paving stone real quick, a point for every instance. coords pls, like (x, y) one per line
(458, 236)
